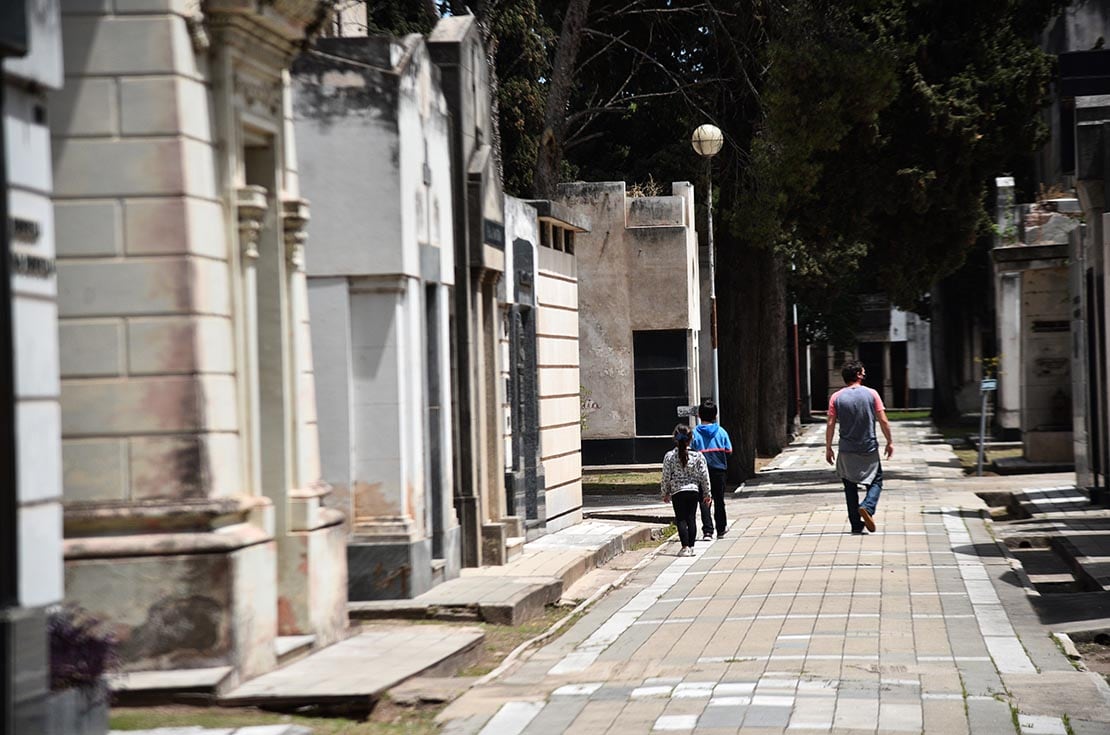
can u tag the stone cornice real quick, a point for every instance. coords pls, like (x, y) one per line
(113, 518)
(273, 30)
(291, 19)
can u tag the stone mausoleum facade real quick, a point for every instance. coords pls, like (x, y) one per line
(373, 130)
(30, 458)
(639, 293)
(543, 437)
(195, 516)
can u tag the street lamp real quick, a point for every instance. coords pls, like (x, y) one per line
(708, 141)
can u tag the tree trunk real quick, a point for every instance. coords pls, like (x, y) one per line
(775, 368)
(549, 157)
(754, 373)
(944, 390)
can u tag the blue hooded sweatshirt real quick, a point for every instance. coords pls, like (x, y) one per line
(714, 444)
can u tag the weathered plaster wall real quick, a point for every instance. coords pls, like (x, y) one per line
(350, 100)
(637, 270)
(605, 309)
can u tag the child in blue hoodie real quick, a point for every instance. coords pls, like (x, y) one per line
(714, 444)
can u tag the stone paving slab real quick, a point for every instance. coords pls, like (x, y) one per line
(139, 684)
(513, 593)
(359, 669)
(791, 625)
(252, 730)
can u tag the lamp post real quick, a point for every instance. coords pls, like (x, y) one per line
(707, 141)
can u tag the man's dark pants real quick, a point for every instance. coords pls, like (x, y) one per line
(717, 488)
(870, 500)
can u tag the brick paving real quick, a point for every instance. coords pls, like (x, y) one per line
(790, 624)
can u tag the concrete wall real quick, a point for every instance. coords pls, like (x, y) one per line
(37, 522)
(919, 361)
(1035, 324)
(1046, 365)
(560, 417)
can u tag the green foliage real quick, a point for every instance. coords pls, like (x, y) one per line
(398, 17)
(523, 42)
(884, 123)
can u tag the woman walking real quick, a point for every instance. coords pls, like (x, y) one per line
(685, 482)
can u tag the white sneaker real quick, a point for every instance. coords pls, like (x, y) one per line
(707, 537)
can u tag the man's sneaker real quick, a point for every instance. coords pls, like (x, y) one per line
(860, 532)
(867, 519)
(707, 537)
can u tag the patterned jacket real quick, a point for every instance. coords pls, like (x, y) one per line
(694, 477)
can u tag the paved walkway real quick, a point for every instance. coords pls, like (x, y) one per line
(790, 624)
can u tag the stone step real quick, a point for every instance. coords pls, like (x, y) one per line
(140, 688)
(290, 648)
(514, 547)
(350, 676)
(439, 571)
(1055, 583)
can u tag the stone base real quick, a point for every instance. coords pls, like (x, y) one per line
(23, 654)
(78, 712)
(921, 396)
(312, 584)
(494, 536)
(212, 607)
(388, 570)
(1049, 446)
(452, 552)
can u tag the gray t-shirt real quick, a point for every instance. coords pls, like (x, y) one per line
(856, 408)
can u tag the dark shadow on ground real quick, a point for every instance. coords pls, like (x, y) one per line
(1074, 609)
(981, 550)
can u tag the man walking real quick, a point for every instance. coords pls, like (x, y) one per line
(857, 408)
(714, 443)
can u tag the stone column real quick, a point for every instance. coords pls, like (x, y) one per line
(251, 206)
(306, 470)
(312, 576)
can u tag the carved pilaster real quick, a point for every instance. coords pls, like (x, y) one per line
(251, 206)
(294, 220)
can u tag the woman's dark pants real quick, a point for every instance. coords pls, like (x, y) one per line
(686, 516)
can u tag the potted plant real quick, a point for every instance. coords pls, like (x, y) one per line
(81, 653)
